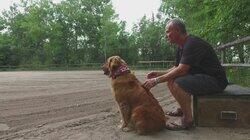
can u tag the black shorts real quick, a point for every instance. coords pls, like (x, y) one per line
(198, 84)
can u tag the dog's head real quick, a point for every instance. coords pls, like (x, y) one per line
(112, 64)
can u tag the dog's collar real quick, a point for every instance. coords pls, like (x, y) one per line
(123, 69)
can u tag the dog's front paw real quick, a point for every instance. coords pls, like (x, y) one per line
(122, 125)
(126, 129)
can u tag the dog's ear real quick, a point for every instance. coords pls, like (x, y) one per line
(122, 61)
(119, 60)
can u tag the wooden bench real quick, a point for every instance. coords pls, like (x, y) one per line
(228, 109)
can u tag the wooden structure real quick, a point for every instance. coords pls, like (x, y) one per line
(227, 109)
(162, 64)
(230, 44)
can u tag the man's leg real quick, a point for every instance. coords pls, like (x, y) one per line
(184, 100)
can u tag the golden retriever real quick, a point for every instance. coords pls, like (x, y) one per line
(139, 109)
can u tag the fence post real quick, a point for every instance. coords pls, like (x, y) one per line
(223, 56)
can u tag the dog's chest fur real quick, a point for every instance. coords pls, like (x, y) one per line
(124, 86)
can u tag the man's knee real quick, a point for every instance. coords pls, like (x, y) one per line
(177, 88)
(172, 86)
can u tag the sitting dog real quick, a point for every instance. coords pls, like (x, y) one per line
(139, 109)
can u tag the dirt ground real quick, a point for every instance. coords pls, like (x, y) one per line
(78, 105)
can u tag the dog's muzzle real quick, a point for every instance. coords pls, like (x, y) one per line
(105, 70)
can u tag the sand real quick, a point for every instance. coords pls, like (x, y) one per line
(78, 105)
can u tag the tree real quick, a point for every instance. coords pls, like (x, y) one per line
(150, 40)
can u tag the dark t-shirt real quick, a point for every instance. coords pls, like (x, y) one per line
(202, 58)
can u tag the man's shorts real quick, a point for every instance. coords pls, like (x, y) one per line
(198, 84)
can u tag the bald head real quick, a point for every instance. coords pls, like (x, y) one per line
(177, 24)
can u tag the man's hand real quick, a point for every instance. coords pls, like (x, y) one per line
(152, 74)
(150, 83)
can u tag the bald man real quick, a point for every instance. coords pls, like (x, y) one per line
(197, 71)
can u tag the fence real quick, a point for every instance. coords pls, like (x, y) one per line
(222, 48)
(154, 64)
(236, 73)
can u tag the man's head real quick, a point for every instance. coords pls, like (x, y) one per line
(175, 30)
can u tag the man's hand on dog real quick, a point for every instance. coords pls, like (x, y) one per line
(151, 80)
(149, 83)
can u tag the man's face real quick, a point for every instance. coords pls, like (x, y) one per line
(171, 34)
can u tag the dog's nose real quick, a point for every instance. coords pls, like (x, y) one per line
(102, 66)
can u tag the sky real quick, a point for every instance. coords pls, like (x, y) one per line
(130, 11)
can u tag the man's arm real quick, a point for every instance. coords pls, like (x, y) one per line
(174, 72)
(167, 71)
(155, 74)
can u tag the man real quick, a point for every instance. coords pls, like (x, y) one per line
(197, 71)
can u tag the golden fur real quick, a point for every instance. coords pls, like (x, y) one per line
(139, 109)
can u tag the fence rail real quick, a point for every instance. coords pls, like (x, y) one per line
(222, 48)
(148, 62)
(236, 42)
(235, 65)
(88, 66)
(84, 66)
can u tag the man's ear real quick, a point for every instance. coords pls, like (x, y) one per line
(177, 29)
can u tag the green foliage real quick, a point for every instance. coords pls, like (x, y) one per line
(8, 55)
(150, 40)
(239, 75)
(66, 33)
(75, 32)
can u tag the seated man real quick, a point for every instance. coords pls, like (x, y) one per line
(197, 71)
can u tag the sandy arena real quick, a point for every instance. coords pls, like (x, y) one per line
(78, 105)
